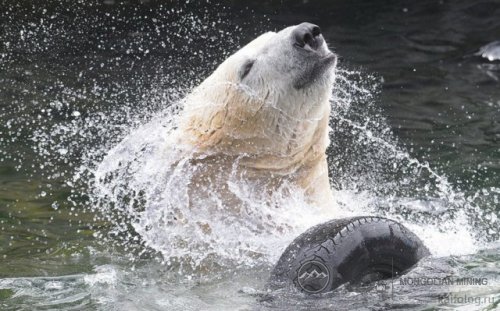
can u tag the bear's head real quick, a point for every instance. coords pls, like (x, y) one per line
(285, 62)
(268, 97)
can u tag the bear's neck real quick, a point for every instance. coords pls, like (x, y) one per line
(263, 137)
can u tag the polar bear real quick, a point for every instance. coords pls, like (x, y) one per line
(263, 115)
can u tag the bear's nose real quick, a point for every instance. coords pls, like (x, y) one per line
(307, 34)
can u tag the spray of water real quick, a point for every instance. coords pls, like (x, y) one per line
(133, 190)
(382, 177)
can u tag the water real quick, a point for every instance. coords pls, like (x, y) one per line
(84, 87)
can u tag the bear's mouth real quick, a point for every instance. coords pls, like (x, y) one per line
(329, 56)
(315, 71)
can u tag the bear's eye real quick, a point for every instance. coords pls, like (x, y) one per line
(246, 68)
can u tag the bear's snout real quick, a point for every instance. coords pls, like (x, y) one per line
(307, 36)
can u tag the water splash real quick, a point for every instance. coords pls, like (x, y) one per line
(381, 173)
(143, 187)
(134, 193)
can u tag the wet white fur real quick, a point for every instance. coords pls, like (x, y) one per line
(262, 126)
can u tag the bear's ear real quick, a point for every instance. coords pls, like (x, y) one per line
(245, 69)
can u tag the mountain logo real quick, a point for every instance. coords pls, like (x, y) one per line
(313, 277)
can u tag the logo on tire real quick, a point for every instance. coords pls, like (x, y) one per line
(313, 277)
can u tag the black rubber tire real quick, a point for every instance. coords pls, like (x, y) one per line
(354, 250)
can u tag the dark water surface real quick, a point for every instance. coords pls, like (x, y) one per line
(420, 140)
